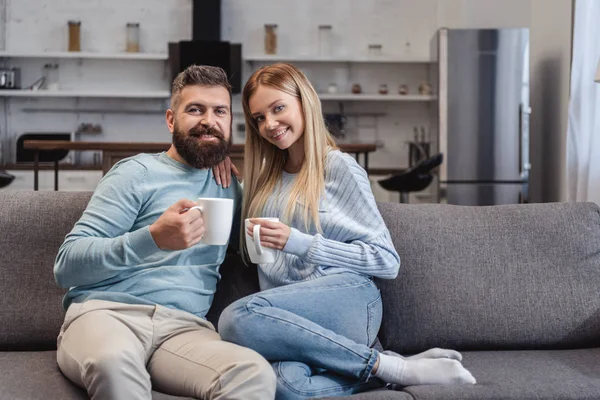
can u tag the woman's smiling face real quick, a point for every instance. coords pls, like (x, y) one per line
(278, 115)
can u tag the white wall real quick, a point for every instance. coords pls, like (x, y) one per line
(403, 27)
(41, 25)
(550, 23)
(551, 43)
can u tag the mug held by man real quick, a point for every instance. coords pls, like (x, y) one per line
(218, 216)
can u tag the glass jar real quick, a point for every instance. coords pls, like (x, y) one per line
(383, 89)
(332, 88)
(403, 89)
(50, 74)
(270, 38)
(356, 88)
(425, 88)
(325, 40)
(133, 37)
(74, 35)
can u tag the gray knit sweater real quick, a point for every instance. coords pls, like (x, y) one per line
(354, 237)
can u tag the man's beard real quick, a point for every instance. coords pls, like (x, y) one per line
(200, 153)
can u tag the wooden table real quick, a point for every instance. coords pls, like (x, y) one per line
(114, 151)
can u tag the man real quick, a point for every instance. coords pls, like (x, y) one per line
(141, 283)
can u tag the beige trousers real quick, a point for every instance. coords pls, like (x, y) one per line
(122, 351)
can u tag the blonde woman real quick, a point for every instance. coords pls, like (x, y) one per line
(319, 311)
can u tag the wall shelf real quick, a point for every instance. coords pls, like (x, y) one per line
(87, 55)
(159, 94)
(92, 111)
(372, 59)
(375, 97)
(166, 94)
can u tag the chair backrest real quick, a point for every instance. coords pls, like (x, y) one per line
(26, 155)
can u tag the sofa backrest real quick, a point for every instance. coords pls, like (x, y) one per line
(503, 277)
(33, 225)
(500, 277)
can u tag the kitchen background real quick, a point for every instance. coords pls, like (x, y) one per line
(135, 91)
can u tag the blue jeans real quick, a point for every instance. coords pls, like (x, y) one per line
(316, 333)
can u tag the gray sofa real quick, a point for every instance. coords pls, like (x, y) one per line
(515, 288)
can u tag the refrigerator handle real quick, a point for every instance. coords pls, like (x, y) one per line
(442, 117)
(521, 123)
(524, 165)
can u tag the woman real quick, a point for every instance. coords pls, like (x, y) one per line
(319, 310)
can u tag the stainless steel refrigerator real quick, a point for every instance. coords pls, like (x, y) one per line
(483, 115)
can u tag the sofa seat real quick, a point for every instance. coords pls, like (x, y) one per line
(34, 375)
(382, 394)
(524, 375)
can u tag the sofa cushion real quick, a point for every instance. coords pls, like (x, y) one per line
(383, 394)
(237, 281)
(523, 375)
(33, 226)
(34, 375)
(502, 277)
(31, 302)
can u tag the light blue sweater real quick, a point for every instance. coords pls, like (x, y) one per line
(110, 253)
(354, 238)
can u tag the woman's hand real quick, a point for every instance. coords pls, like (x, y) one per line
(222, 172)
(273, 234)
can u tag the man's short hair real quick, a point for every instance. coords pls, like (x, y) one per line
(202, 75)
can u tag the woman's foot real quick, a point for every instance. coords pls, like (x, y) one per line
(423, 371)
(431, 353)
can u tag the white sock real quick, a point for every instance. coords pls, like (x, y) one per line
(431, 353)
(427, 371)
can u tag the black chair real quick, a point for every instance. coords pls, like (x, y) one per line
(413, 179)
(27, 156)
(5, 179)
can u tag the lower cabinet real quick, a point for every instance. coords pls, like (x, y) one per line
(69, 180)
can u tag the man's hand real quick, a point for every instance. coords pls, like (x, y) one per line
(273, 234)
(223, 170)
(178, 228)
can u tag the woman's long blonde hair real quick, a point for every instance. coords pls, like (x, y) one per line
(264, 162)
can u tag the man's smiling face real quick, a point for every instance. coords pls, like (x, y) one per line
(201, 125)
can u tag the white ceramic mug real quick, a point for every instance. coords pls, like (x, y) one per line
(257, 253)
(218, 216)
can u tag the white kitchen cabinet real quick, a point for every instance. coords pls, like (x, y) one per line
(76, 181)
(68, 180)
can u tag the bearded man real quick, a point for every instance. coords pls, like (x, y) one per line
(141, 282)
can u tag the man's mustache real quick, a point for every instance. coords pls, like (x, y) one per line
(199, 131)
